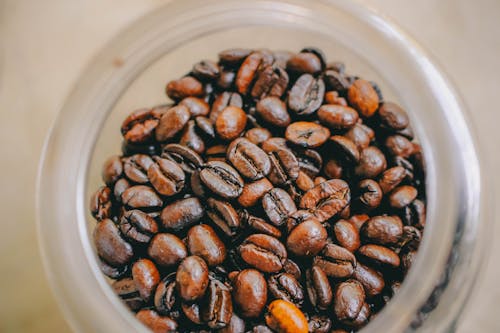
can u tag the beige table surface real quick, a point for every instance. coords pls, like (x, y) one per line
(44, 46)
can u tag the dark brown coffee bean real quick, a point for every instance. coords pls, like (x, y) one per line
(205, 126)
(216, 153)
(139, 126)
(236, 325)
(260, 329)
(361, 319)
(407, 259)
(304, 62)
(298, 217)
(361, 135)
(284, 167)
(326, 199)
(332, 97)
(379, 254)
(146, 277)
(370, 193)
(167, 249)
(382, 229)
(273, 111)
(310, 161)
(196, 106)
(398, 145)
(226, 79)
(101, 204)
(391, 178)
(304, 182)
(230, 123)
(333, 169)
(319, 324)
(318, 288)
(273, 144)
(223, 101)
(202, 241)
(248, 71)
(261, 226)
(251, 161)
(190, 138)
(307, 134)
(127, 291)
(121, 185)
(250, 293)
(138, 226)
(363, 97)
(136, 168)
(402, 196)
(306, 95)
(336, 261)
(206, 70)
(348, 300)
(141, 196)
(172, 122)
(284, 317)
(372, 162)
(258, 135)
(222, 179)
(217, 306)
(166, 176)
(407, 165)
(372, 281)
(358, 220)
(414, 214)
(278, 205)
(285, 286)
(393, 116)
(337, 117)
(410, 240)
(182, 213)
(253, 192)
(263, 252)
(224, 216)
(185, 157)
(110, 245)
(155, 322)
(112, 170)
(271, 81)
(233, 56)
(336, 81)
(192, 278)
(347, 235)
(184, 87)
(345, 148)
(307, 239)
(291, 267)
(113, 272)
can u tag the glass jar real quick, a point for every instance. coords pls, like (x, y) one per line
(131, 72)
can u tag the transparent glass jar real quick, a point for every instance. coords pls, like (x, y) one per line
(131, 72)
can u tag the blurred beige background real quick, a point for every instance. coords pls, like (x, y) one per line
(44, 45)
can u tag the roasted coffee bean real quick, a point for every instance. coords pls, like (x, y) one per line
(141, 196)
(110, 245)
(184, 87)
(236, 325)
(392, 116)
(363, 97)
(196, 106)
(361, 135)
(121, 185)
(345, 148)
(129, 149)
(182, 213)
(249, 293)
(372, 162)
(379, 254)
(172, 122)
(398, 145)
(253, 192)
(260, 329)
(336, 81)
(337, 117)
(271, 81)
(307, 239)
(251, 161)
(167, 249)
(127, 291)
(136, 168)
(258, 135)
(304, 62)
(261, 226)
(192, 312)
(407, 165)
(370, 193)
(332, 97)
(216, 153)
(185, 157)
(230, 123)
(223, 101)
(166, 176)
(113, 272)
(190, 138)
(310, 161)
(319, 324)
(362, 318)
(146, 277)
(348, 300)
(192, 278)
(298, 217)
(226, 79)
(372, 281)
(101, 204)
(217, 306)
(407, 260)
(139, 126)
(410, 240)
(304, 182)
(402, 196)
(358, 220)
(336, 261)
(263, 252)
(112, 170)
(307, 134)
(382, 229)
(285, 286)
(306, 95)
(202, 241)
(284, 317)
(326, 199)
(233, 56)
(205, 126)
(248, 71)
(284, 167)
(273, 111)
(414, 214)
(206, 70)
(291, 267)
(347, 235)
(155, 322)
(333, 169)
(138, 226)
(391, 178)
(318, 288)
(224, 216)
(222, 179)
(273, 144)
(278, 205)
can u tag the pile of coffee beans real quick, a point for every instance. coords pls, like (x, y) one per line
(277, 193)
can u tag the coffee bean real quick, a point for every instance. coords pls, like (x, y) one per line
(358, 220)
(223, 101)
(337, 117)
(284, 317)
(172, 122)
(307, 134)
(138, 226)
(139, 126)
(379, 254)
(372, 162)
(112, 170)
(113, 272)
(382, 229)
(271, 81)
(192, 312)
(304, 62)
(261, 226)
(273, 110)
(184, 87)
(345, 148)
(348, 300)
(333, 98)
(253, 192)
(224, 216)
(251, 161)
(260, 329)
(196, 106)
(285, 167)
(306, 95)
(361, 135)
(347, 235)
(304, 182)
(414, 214)
(250, 293)
(278, 205)
(191, 139)
(206, 70)
(258, 135)
(263, 252)
(186, 158)
(236, 325)
(110, 245)
(370, 193)
(319, 324)
(166, 176)
(217, 306)
(398, 145)
(284, 286)
(391, 178)
(336, 81)
(230, 123)
(146, 277)
(167, 249)
(336, 261)
(326, 199)
(273, 144)
(318, 288)
(222, 179)
(126, 289)
(362, 318)
(202, 241)
(182, 213)
(402, 196)
(121, 186)
(363, 97)
(155, 322)
(192, 278)
(393, 116)
(205, 126)
(248, 71)
(407, 260)
(307, 239)
(100, 203)
(233, 56)
(372, 281)
(136, 168)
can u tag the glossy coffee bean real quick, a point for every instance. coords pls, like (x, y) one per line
(167, 249)
(332, 97)
(191, 139)
(101, 204)
(393, 116)
(217, 307)
(278, 205)
(372, 162)
(146, 277)
(202, 241)
(224, 100)
(166, 176)
(382, 229)
(139, 126)
(196, 106)
(398, 145)
(335, 261)
(370, 194)
(379, 254)
(172, 122)
(126, 289)
(138, 226)
(249, 293)
(286, 287)
(222, 179)
(326, 199)
(112, 170)
(224, 216)
(248, 71)
(230, 123)
(347, 235)
(136, 168)
(205, 126)
(304, 182)
(155, 322)
(258, 135)
(344, 148)
(182, 213)
(402, 196)
(306, 95)
(250, 161)
(318, 288)
(361, 135)
(120, 186)
(285, 167)
(192, 278)
(307, 239)
(270, 81)
(235, 325)
(184, 87)
(273, 144)
(372, 281)
(113, 272)
(185, 157)
(362, 318)
(253, 192)
(415, 214)
(110, 245)
(337, 117)
(391, 178)
(284, 317)
(348, 300)
(363, 97)
(206, 70)
(263, 252)
(273, 111)
(319, 324)
(192, 312)
(304, 62)
(233, 56)
(307, 134)
(261, 226)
